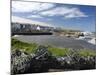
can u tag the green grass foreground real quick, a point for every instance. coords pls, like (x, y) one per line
(29, 48)
(55, 51)
(58, 51)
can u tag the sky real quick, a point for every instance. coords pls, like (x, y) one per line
(67, 16)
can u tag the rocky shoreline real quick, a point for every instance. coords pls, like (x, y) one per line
(43, 61)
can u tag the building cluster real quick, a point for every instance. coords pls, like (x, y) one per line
(19, 27)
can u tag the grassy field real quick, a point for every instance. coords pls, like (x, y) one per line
(86, 53)
(31, 48)
(58, 51)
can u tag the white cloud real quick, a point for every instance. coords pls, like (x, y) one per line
(35, 16)
(64, 11)
(47, 9)
(29, 21)
(75, 13)
(18, 6)
(56, 11)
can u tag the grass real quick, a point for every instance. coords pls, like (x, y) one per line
(29, 48)
(55, 51)
(87, 53)
(58, 51)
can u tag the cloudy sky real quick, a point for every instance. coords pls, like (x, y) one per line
(60, 15)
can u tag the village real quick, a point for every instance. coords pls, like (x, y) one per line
(36, 29)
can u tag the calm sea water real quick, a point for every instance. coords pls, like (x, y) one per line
(58, 41)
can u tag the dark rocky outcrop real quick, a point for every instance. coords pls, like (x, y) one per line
(43, 61)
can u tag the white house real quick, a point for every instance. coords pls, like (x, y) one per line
(38, 28)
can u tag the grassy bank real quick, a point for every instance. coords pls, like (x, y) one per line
(29, 48)
(58, 51)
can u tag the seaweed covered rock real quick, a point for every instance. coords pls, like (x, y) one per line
(20, 62)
